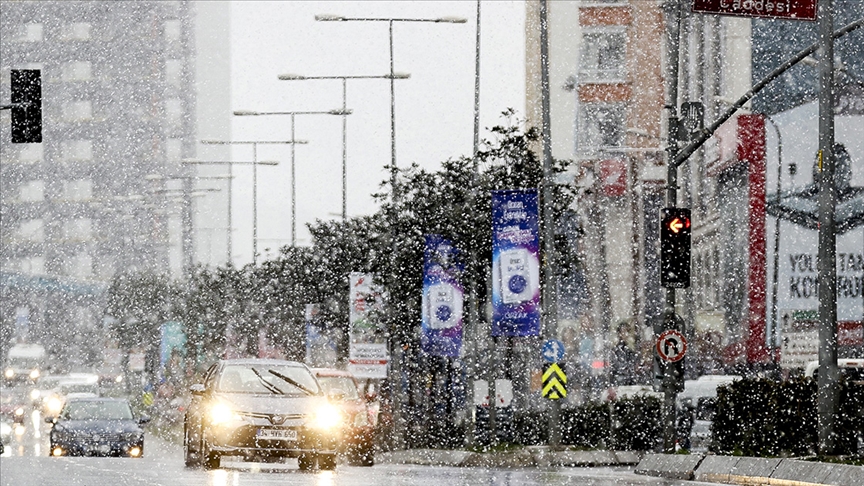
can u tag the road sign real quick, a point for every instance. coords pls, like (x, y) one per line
(554, 381)
(671, 345)
(553, 351)
(775, 9)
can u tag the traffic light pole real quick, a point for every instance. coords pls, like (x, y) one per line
(673, 10)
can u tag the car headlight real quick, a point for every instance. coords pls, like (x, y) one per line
(34, 395)
(326, 417)
(221, 413)
(5, 429)
(34, 374)
(54, 405)
(9, 373)
(119, 379)
(19, 411)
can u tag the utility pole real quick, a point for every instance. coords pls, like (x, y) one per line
(550, 317)
(827, 385)
(673, 19)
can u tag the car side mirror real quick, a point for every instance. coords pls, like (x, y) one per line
(197, 389)
(143, 420)
(50, 420)
(336, 395)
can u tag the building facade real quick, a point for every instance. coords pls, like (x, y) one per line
(104, 192)
(607, 67)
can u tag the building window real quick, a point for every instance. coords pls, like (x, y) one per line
(77, 229)
(31, 32)
(32, 191)
(80, 265)
(174, 72)
(32, 265)
(173, 30)
(32, 230)
(78, 110)
(603, 55)
(76, 71)
(600, 125)
(174, 150)
(77, 150)
(78, 31)
(31, 153)
(78, 190)
(174, 111)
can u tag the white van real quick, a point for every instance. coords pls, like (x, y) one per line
(852, 369)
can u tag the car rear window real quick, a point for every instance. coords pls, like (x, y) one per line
(96, 410)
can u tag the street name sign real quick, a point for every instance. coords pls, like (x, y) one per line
(671, 346)
(773, 9)
(554, 381)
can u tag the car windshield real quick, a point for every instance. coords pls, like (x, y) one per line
(267, 379)
(79, 388)
(97, 410)
(342, 383)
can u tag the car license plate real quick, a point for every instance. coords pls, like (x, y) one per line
(277, 434)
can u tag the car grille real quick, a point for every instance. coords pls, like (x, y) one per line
(272, 418)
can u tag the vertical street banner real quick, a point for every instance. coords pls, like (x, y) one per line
(320, 341)
(515, 263)
(368, 354)
(443, 296)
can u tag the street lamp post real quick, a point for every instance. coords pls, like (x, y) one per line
(346, 112)
(395, 368)
(343, 112)
(254, 163)
(187, 194)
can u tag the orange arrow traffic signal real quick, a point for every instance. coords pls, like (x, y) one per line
(675, 248)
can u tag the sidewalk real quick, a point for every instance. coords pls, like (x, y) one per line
(706, 468)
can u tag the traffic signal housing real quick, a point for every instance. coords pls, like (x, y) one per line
(675, 248)
(26, 105)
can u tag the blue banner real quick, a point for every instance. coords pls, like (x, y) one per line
(442, 299)
(515, 263)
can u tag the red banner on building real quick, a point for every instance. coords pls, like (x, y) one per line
(774, 9)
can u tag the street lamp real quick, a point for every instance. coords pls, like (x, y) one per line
(395, 369)
(343, 112)
(298, 77)
(390, 21)
(255, 163)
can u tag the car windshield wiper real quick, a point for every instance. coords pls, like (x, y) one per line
(291, 381)
(267, 384)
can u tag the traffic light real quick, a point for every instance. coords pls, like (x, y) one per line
(675, 248)
(26, 106)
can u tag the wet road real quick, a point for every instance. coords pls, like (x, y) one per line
(25, 463)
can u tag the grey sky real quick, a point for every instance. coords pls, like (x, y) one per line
(434, 108)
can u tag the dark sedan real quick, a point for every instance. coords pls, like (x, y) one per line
(96, 427)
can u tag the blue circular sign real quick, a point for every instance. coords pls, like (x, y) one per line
(443, 313)
(553, 351)
(517, 284)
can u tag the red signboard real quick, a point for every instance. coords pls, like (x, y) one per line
(774, 9)
(613, 176)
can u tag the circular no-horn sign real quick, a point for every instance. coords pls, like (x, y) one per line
(671, 345)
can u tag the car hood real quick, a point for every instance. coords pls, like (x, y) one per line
(272, 404)
(99, 426)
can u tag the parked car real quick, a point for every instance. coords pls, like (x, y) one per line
(697, 404)
(261, 409)
(96, 427)
(360, 412)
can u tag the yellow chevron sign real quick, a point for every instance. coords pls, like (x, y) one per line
(554, 380)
